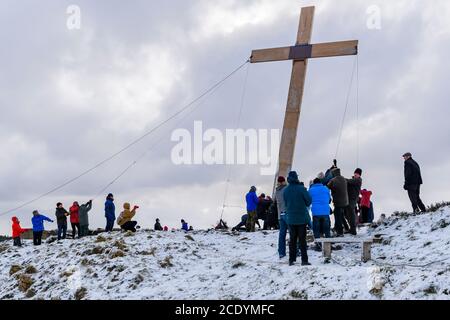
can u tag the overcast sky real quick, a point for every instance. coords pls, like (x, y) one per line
(70, 98)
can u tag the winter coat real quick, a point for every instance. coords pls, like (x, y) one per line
(297, 200)
(262, 207)
(413, 176)
(353, 189)
(328, 176)
(110, 210)
(280, 200)
(16, 229)
(158, 226)
(184, 226)
(126, 215)
(321, 197)
(338, 187)
(83, 211)
(365, 198)
(61, 217)
(74, 213)
(38, 222)
(252, 201)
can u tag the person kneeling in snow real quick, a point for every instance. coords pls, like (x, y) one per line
(184, 225)
(124, 220)
(17, 231)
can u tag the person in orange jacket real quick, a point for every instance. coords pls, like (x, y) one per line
(17, 231)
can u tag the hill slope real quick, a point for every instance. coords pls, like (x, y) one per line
(412, 263)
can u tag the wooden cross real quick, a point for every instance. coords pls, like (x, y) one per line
(300, 53)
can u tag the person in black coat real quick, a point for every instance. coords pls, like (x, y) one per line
(353, 189)
(413, 181)
(61, 218)
(158, 226)
(262, 208)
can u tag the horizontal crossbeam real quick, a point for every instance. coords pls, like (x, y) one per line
(302, 52)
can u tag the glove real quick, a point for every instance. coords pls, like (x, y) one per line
(136, 207)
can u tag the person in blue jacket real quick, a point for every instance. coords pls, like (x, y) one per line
(252, 203)
(110, 212)
(320, 208)
(38, 226)
(296, 201)
(184, 225)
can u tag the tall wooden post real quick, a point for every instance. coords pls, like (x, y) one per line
(300, 53)
(295, 97)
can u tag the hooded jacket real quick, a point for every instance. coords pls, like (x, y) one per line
(338, 187)
(61, 217)
(110, 209)
(74, 213)
(16, 229)
(321, 197)
(126, 215)
(83, 211)
(297, 200)
(38, 222)
(353, 188)
(252, 201)
(280, 200)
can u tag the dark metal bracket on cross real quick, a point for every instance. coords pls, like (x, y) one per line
(300, 53)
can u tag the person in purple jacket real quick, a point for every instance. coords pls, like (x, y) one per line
(252, 203)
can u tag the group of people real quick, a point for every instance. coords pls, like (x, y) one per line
(294, 202)
(79, 220)
(352, 205)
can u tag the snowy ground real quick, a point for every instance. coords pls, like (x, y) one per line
(218, 265)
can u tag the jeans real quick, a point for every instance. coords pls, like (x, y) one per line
(129, 226)
(62, 231)
(298, 233)
(84, 230)
(109, 225)
(37, 237)
(321, 225)
(77, 227)
(282, 236)
(338, 218)
(17, 242)
(414, 196)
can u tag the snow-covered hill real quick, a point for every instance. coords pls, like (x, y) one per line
(411, 263)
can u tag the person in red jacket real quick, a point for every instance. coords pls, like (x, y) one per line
(365, 205)
(17, 231)
(75, 219)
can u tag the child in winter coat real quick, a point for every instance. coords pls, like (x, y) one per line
(124, 220)
(75, 219)
(38, 227)
(17, 231)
